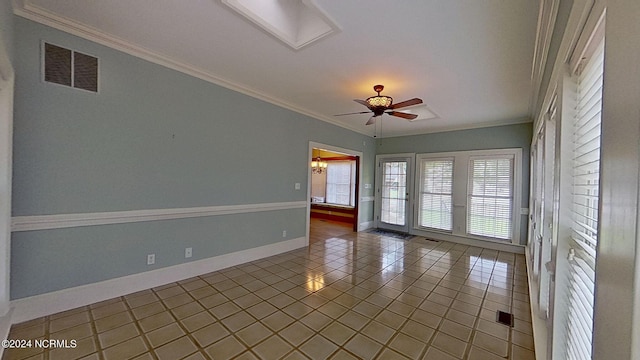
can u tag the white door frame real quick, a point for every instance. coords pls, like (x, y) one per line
(6, 136)
(359, 154)
(410, 157)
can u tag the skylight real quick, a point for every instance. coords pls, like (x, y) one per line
(297, 23)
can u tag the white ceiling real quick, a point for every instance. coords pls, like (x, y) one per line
(469, 60)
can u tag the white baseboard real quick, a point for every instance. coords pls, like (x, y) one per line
(487, 244)
(539, 326)
(50, 303)
(364, 226)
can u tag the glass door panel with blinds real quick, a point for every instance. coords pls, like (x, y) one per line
(436, 194)
(584, 212)
(472, 194)
(490, 196)
(548, 235)
(538, 203)
(393, 193)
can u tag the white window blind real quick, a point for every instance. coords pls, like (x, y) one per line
(585, 186)
(436, 189)
(339, 183)
(490, 196)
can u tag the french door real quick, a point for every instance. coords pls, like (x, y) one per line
(394, 178)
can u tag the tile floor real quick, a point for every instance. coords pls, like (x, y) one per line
(348, 296)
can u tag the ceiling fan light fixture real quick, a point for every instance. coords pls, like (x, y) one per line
(381, 104)
(379, 101)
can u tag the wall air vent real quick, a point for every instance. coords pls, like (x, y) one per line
(70, 68)
(296, 23)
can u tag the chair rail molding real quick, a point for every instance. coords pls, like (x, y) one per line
(59, 221)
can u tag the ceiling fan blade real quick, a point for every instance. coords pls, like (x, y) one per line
(354, 113)
(361, 102)
(402, 115)
(414, 101)
(372, 120)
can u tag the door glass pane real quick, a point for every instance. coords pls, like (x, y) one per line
(394, 189)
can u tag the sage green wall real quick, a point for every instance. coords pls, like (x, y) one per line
(156, 138)
(152, 138)
(497, 137)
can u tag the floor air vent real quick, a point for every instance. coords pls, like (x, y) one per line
(504, 318)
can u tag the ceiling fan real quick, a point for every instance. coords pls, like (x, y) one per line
(381, 104)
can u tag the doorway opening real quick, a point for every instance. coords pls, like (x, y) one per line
(333, 190)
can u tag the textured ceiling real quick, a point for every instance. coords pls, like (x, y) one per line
(469, 60)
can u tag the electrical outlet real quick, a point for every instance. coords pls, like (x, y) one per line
(284, 233)
(297, 186)
(188, 252)
(151, 259)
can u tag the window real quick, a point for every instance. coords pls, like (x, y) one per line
(472, 194)
(584, 214)
(340, 184)
(70, 68)
(436, 191)
(490, 200)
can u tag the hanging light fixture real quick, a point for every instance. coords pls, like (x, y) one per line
(318, 166)
(379, 102)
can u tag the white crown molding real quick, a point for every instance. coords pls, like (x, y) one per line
(59, 221)
(546, 22)
(29, 11)
(33, 307)
(580, 13)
